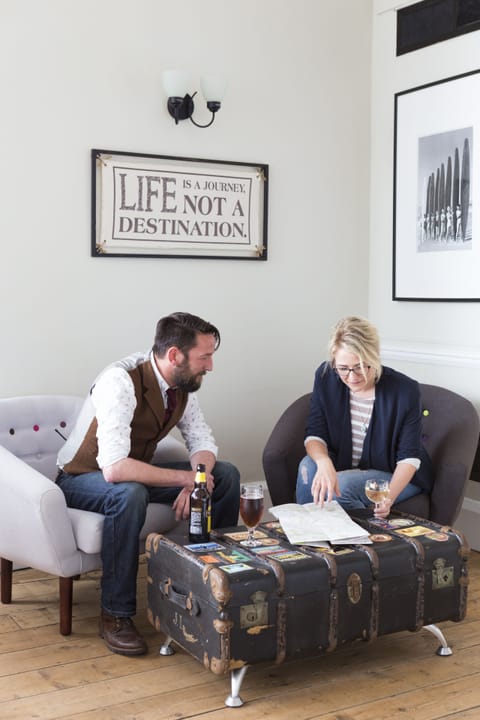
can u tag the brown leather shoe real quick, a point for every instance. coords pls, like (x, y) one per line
(121, 636)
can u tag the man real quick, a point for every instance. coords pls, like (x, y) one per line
(105, 464)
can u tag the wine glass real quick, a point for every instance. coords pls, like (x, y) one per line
(377, 490)
(251, 510)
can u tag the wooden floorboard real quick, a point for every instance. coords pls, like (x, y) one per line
(45, 676)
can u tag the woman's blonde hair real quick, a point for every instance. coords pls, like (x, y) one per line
(359, 337)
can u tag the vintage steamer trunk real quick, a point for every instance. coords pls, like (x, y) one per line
(230, 606)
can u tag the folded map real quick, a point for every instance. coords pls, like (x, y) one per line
(311, 524)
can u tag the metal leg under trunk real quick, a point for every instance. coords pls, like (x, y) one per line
(165, 649)
(444, 650)
(236, 676)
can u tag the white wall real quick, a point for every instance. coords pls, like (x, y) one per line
(82, 74)
(436, 342)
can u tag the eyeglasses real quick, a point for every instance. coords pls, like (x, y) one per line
(345, 371)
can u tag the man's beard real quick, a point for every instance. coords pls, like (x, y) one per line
(184, 380)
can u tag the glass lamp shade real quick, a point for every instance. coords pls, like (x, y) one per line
(175, 83)
(213, 87)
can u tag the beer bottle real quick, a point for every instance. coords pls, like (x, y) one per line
(200, 509)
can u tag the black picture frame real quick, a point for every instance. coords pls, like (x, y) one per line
(430, 21)
(163, 206)
(436, 251)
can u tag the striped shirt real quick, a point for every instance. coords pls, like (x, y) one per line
(360, 412)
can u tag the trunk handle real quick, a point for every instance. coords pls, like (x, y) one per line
(184, 601)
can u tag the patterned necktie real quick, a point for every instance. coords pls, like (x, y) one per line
(171, 404)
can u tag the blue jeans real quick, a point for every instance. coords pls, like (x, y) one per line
(351, 484)
(124, 506)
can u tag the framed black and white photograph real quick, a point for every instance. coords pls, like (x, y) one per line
(161, 206)
(436, 248)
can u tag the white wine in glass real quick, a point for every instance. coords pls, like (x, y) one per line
(251, 510)
(377, 491)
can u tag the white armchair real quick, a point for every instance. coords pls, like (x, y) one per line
(37, 529)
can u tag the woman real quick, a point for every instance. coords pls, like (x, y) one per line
(364, 421)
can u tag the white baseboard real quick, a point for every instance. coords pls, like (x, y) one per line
(471, 505)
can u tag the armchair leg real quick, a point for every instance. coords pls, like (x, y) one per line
(6, 581)
(65, 589)
(66, 598)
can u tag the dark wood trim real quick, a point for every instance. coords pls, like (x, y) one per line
(6, 567)
(66, 598)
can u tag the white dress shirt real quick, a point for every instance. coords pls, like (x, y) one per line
(112, 401)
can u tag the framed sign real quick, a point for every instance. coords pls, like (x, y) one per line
(436, 247)
(162, 206)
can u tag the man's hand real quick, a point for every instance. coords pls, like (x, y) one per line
(181, 504)
(182, 501)
(210, 483)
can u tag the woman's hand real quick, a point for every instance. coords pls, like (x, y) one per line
(382, 509)
(325, 482)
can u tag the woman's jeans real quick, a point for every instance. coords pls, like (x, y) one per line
(124, 505)
(351, 484)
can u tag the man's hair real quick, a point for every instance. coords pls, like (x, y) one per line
(180, 330)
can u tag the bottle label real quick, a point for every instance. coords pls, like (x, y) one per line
(198, 527)
(196, 522)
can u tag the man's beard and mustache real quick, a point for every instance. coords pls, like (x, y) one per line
(184, 380)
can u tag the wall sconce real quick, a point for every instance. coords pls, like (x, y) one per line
(180, 103)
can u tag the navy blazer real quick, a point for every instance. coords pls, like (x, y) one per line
(395, 428)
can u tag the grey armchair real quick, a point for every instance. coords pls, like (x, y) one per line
(37, 529)
(450, 435)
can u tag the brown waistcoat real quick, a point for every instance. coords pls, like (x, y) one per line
(147, 426)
